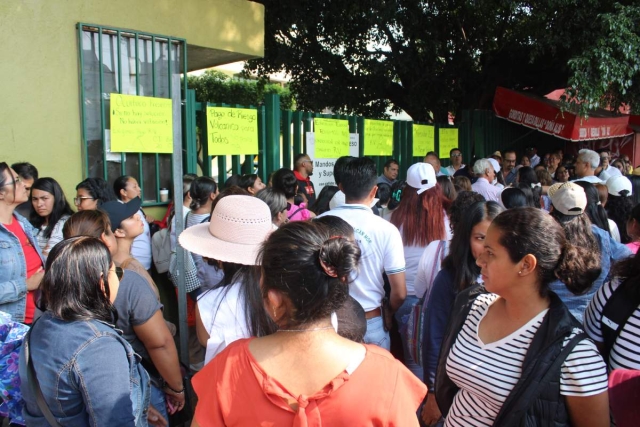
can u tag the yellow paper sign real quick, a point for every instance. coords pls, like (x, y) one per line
(141, 124)
(423, 140)
(332, 138)
(232, 131)
(448, 141)
(378, 138)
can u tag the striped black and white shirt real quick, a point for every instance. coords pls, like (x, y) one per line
(486, 373)
(625, 352)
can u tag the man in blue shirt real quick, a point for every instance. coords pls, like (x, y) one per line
(509, 170)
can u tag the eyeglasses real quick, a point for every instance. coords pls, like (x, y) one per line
(78, 200)
(16, 180)
(456, 155)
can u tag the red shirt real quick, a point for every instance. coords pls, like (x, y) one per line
(233, 390)
(34, 263)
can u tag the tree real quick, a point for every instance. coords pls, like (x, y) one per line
(430, 58)
(218, 88)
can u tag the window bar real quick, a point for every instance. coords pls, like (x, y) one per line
(102, 94)
(118, 38)
(85, 150)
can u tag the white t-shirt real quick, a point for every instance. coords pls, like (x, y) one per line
(412, 258)
(381, 247)
(429, 263)
(486, 373)
(223, 316)
(141, 247)
(615, 231)
(625, 352)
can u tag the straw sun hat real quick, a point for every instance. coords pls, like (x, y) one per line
(239, 225)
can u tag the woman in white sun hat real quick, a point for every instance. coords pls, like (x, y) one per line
(233, 308)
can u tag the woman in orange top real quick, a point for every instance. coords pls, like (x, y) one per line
(305, 374)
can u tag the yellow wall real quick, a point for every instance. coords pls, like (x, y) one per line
(39, 78)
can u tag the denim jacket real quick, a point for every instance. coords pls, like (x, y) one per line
(13, 269)
(610, 252)
(89, 375)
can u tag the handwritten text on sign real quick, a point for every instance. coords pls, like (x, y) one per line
(331, 138)
(141, 124)
(448, 141)
(232, 131)
(378, 138)
(423, 140)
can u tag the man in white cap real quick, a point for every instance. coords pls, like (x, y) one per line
(381, 246)
(484, 185)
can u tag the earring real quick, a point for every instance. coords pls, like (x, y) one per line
(520, 272)
(274, 313)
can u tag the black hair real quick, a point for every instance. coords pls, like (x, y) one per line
(248, 277)
(233, 180)
(5, 167)
(74, 286)
(292, 262)
(120, 184)
(635, 188)
(248, 181)
(528, 192)
(452, 150)
(25, 170)
(99, 189)
(359, 177)
(527, 175)
(628, 270)
(285, 181)
(514, 198)
(390, 162)
(461, 205)
(201, 190)
(336, 225)
(448, 189)
(297, 158)
(594, 210)
(338, 168)
(460, 259)
(60, 205)
(383, 194)
(531, 231)
(618, 209)
(321, 205)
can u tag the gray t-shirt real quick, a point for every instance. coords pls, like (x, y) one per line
(135, 304)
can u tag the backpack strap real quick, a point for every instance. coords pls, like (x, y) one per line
(620, 306)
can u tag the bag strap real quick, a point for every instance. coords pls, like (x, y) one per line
(35, 384)
(620, 306)
(294, 214)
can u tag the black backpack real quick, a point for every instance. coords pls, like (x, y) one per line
(616, 312)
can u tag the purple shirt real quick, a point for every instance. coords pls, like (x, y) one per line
(488, 191)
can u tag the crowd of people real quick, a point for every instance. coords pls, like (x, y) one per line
(495, 292)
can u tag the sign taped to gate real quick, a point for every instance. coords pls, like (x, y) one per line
(141, 124)
(323, 168)
(378, 137)
(448, 141)
(423, 140)
(331, 138)
(232, 131)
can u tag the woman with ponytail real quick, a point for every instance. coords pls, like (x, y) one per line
(305, 373)
(513, 354)
(569, 202)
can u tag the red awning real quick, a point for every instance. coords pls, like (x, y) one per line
(545, 115)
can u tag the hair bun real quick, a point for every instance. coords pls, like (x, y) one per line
(338, 257)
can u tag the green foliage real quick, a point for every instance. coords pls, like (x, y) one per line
(608, 72)
(430, 58)
(218, 88)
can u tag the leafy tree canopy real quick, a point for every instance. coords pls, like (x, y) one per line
(429, 58)
(218, 88)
